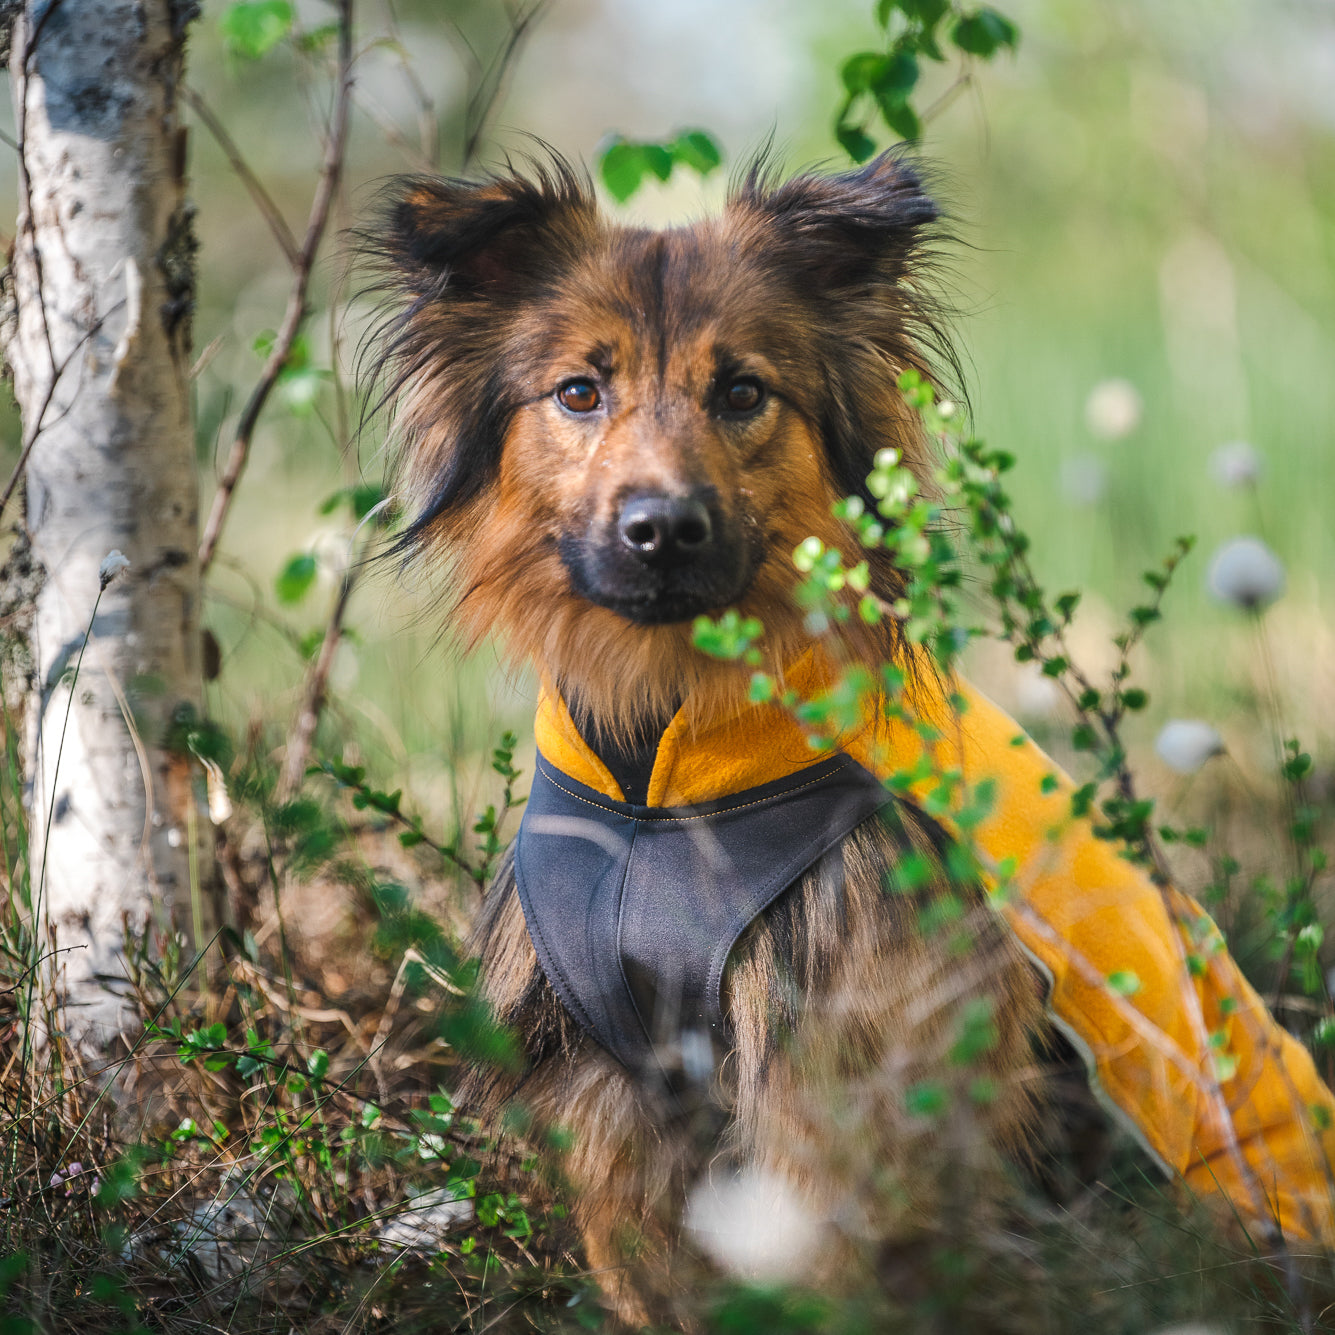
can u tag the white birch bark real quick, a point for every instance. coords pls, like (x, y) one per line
(103, 284)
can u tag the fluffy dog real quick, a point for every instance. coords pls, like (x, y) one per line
(607, 431)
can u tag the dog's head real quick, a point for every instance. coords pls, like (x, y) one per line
(610, 430)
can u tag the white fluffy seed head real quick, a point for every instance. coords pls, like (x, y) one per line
(753, 1225)
(1113, 409)
(1246, 573)
(112, 564)
(1236, 464)
(1185, 744)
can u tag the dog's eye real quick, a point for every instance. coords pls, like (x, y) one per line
(579, 396)
(744, 395)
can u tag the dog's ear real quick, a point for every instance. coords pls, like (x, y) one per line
(845, 230)
(857, 247)
(481, 239)
(454, 262)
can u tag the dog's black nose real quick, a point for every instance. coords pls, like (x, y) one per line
(663, 528)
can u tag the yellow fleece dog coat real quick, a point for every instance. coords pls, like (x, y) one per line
(1183, 1049)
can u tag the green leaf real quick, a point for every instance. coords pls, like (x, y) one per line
(697, 150)
(317, 1064)
(901, 118)
(314, 40)
(252, 28)
(896, 79)
(762, 688)
(296, 577)
(926, 1099)
(856, 142)
(977, 1034)
(927, 12)
(622, 168)
(863, 72)
(912, 872)
(361, 499)
(657, 159)
(982, 33)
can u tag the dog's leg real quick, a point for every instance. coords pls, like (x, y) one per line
(844, 1005)
(624, 1162)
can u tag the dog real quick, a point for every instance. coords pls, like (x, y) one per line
(606, 432)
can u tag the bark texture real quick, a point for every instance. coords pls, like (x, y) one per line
(103, 281)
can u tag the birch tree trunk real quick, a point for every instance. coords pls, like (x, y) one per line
(103, 282)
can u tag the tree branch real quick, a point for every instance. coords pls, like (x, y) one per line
(263, 199)
(330, 173)
(480, 107)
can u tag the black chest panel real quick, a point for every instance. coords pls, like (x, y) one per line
(634, 910)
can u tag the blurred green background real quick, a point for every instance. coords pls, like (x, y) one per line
(1145, 200)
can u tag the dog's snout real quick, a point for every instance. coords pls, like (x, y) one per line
(660, 529)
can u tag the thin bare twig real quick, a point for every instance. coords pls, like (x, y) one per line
(263, 199)
(393, 135)
(427, 127)
(39, 425)
(330, 172)
(485, 97)
(948, 95)
(317, 690)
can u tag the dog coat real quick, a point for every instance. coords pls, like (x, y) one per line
(634, 909)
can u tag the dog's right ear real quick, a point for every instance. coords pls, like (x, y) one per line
(481, 239)
(454, 262)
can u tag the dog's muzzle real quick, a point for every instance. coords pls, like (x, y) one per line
(663, 558)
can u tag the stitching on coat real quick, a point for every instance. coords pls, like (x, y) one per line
(704, 815)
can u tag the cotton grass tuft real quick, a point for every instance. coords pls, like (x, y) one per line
(1245, 573)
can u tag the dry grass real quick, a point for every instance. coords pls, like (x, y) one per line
(241, 1163)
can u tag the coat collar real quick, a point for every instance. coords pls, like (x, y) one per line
(707, 761)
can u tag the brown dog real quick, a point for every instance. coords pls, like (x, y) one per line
(606, 432)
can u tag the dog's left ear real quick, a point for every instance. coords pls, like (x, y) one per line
(844, 230)
(857, 247)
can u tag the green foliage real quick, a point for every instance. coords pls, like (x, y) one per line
(883, 84)
(300, 381)
(296, 578)
(731, 636)
(488, 825)
(984, 32)
(252, 28)
(360, 500)
(624, 164)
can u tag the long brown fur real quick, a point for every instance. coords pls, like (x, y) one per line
(839, 1000)
(839, 1003)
